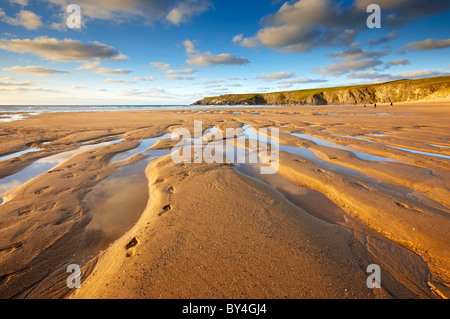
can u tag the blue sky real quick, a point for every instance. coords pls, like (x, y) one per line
(177, 51)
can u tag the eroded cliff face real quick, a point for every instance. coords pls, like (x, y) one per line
(400, 91)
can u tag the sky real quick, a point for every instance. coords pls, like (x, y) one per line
(174, 52)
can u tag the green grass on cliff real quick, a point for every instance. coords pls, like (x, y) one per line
(303, 94)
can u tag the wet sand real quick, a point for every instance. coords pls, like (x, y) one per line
(198, 230)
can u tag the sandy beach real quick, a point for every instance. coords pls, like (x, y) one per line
(354, 187)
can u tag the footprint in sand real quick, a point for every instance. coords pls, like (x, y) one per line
(303, 161)
(46, 207)
(130, 247)
(61, 221)
(24, 212)
(406, 206)
(41, 191)
(228, 164)
(14, 246)
(171, 190)
(361, 185)
(133, 243)
(184, 177)
(165, 210)
(54, 171)
(64, 191)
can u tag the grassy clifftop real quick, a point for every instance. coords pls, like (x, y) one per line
(396, 91)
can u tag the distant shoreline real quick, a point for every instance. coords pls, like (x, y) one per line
(434, 88)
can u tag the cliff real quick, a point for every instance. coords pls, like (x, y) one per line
(396, 91)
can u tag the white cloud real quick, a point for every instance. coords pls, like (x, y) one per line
(149, 78)
(22, 83)
(306, 24)
(149, 93)
(374, 76)
(190, 47)
(133, 92)
(352, 60)
(33, 69)
(183, 71)
(238, 38)
(20, 2)
(198, 58)
(302, 25)
(160, 66)
(340, 68)
(354, 54)
(149, 11)
(23, 90)
(157, 91)
(390, 36)
(276, 76)
(366, 75)
(399, 62)
(62, 50)
(214, 86)
(419, 74)
(214, 81)
(428, 44)
(399, 12)
(289, 83)
(116, 81)
(177, 77)
(184, 11)
(24, 18)
(209, 59)
(263, 89)
(95, 67)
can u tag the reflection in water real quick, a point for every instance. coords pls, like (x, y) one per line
(303, 153)
(117, 203)
(436, 145)
(143, 146)
(43, 165)
(354, 138)
(313, 158)
(361, 155)
(313, 202)
(17, 154)
(420, 152)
